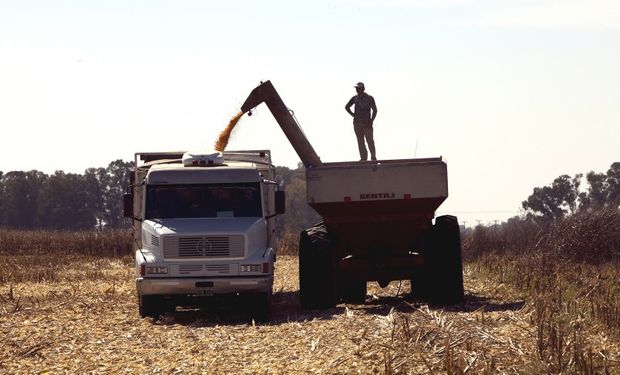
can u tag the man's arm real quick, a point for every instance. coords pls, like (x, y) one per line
(348, 106)
(373, 106)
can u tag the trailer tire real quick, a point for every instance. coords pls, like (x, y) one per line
(420, 284)
(445, 266)
(316, 276)
(353, 292)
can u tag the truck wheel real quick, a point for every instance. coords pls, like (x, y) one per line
(261, 307)
(445, 266)
(316, 277)
(353, 292)
(150, 306)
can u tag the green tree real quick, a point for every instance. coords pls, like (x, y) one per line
(94, 188)
(63, 203)
(603, 188)
(596, 196)
(299, 215)
(285, 175)
(20, 196)
(613, 183)
(116, 181)
(556, 200)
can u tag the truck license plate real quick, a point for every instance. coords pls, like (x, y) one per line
(208, 288)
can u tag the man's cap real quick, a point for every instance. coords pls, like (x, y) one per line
(360, 85)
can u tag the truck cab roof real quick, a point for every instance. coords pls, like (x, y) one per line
(238, 166)
(178, 174)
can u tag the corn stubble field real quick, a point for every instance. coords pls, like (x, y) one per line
(68, 305)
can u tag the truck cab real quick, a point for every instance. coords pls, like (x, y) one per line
(204, 226)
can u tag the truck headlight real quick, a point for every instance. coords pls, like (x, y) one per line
(261, 267)
(157, 270)
(251, 268)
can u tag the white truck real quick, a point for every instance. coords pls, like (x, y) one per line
(204, 226)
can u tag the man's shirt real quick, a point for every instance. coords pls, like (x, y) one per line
(363, 104)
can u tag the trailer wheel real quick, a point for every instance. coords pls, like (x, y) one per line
(420, 284)
(353, 292)
(445, 266)
(316, 277)
(422, 277)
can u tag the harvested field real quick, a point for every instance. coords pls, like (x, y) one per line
(85, 320)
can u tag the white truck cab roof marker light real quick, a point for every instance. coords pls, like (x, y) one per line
(202, 159)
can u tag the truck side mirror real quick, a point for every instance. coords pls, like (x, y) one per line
(280, 202)
(128, 205)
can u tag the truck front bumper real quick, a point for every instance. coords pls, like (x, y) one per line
(204, 286)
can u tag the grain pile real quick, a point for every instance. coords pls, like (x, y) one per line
(86, 321)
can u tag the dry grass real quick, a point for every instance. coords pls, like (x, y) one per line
(77, 313)
(575, 308)
(587, 237)
(570, 273)
(89, 323)
(105, 243)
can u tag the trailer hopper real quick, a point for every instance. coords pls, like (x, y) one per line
(377, 222)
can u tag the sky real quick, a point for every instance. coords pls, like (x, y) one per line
(511, 93)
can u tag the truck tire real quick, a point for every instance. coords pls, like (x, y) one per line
(317, 289)
(261, 307)
(445, 266)
(353, 292)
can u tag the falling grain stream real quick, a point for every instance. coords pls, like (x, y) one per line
(224, 137)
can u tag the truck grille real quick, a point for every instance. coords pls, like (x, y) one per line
(200, 270)
(188, 269)
(204, 247)
(217, 268)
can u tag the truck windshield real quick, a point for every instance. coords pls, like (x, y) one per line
(212, 200)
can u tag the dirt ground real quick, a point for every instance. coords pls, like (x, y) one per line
(87, 322)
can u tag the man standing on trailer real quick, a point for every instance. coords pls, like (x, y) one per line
(363, 118)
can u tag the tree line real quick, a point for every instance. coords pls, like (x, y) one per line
(35, 200)
(564, 196)
(94, 199)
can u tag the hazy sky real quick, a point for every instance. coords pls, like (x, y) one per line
(512, 93)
